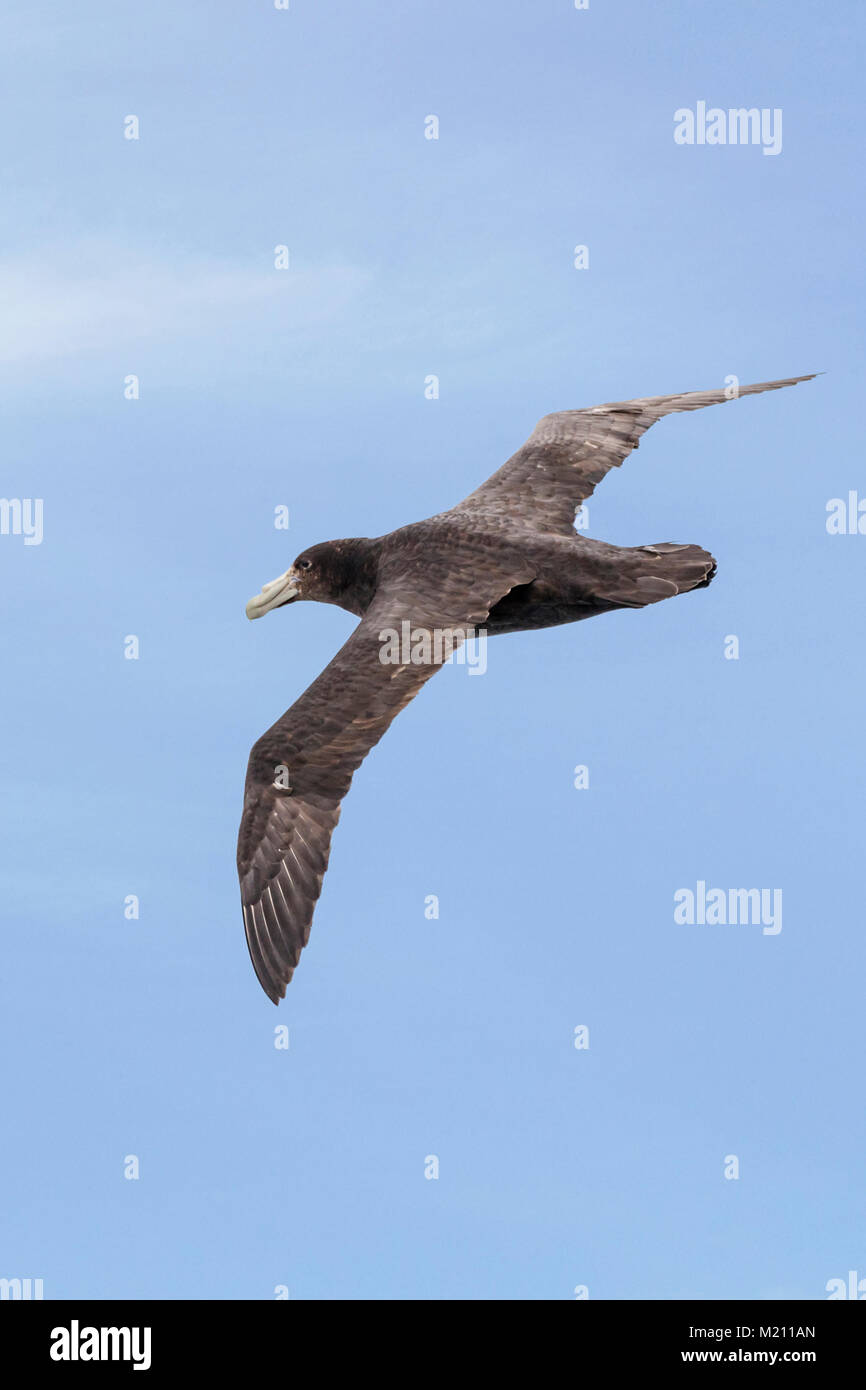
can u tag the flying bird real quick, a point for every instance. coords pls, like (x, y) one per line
(505, 559)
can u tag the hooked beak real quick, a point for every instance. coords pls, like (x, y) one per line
(274, 595)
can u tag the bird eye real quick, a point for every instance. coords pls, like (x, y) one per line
(303, 564)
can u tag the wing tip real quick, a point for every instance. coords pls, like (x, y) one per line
(274, 988)
(273, 984)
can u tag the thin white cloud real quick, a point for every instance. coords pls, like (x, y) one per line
(92, 299)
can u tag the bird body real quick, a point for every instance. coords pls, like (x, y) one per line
(506, 559)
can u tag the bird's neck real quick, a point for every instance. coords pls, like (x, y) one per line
(359, 573)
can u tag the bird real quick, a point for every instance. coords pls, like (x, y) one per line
(506, 559)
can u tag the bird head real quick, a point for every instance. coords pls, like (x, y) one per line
(322, 573)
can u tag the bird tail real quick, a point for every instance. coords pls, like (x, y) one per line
(661, 571)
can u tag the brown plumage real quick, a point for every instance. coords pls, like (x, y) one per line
(506, 559)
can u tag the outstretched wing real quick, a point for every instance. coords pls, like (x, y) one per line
(567, 454)
(298, 773)
(300, 770)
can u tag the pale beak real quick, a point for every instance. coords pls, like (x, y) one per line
(274, 595)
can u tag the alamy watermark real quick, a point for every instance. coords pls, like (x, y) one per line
(22, 516)
(712, 907)
(77, 1343)
(846, 516)
(434, 646)
(21, 1289)
(737, 126)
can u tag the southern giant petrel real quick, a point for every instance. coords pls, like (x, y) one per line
(506, 559)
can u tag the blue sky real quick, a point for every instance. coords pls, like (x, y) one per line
(409, 1037)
